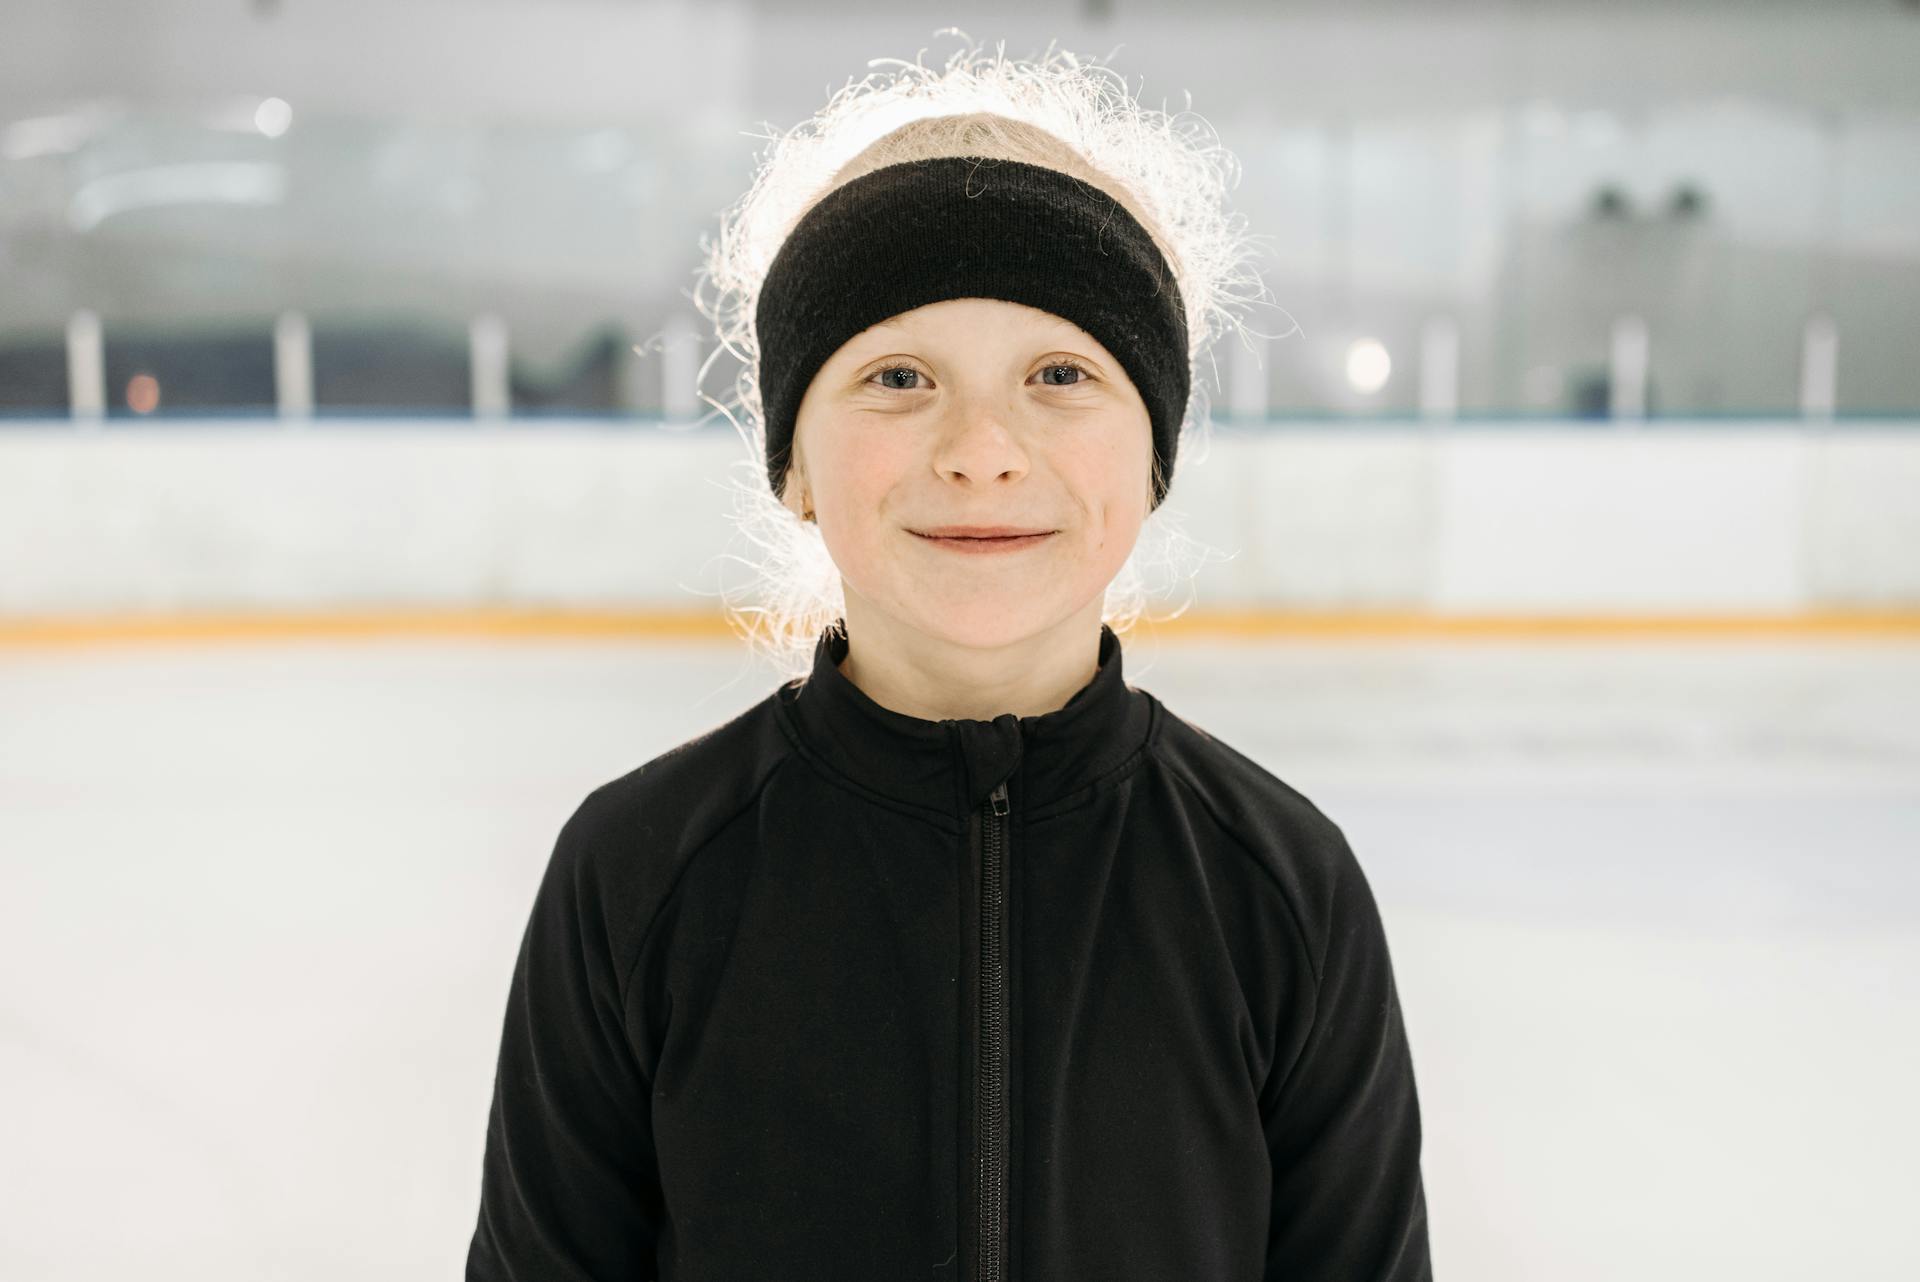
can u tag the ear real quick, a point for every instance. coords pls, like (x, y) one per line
(795, 496)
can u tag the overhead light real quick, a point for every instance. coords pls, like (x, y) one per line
(53, 135)
(272, 117)
(1368, 365)
(199, 183)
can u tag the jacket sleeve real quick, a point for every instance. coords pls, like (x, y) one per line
(569, 1187)
(1343, 1126)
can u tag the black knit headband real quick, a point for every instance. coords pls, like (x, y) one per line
(922, 231)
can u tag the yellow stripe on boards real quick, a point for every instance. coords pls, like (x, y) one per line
(193, 628)
(1422, 625)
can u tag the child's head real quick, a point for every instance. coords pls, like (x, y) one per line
(928, 351)
(982, 413)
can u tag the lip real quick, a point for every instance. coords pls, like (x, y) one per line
(978, 532)
(979, 544)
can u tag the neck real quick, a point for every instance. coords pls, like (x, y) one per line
(939, 679)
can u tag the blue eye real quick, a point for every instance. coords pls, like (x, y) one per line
(894, 385)
(895, 369)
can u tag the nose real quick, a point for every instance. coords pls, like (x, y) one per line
(979, 443)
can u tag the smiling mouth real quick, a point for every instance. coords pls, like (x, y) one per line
(983, 538)
(982, 532)
(996, 545)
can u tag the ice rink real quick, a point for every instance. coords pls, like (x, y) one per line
(1654, 909)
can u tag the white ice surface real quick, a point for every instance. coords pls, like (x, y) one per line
(1654, 910)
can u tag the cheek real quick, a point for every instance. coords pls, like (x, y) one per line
(865, 467)
(1115, 473)
(860, 472)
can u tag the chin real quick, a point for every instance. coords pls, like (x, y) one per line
(990, 625)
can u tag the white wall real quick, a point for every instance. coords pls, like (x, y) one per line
(1515, 518)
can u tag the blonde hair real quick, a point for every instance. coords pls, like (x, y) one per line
(1059, 111)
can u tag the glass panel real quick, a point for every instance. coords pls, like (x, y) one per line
(174, 370)
(1722, 223)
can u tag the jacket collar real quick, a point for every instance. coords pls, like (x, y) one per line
(952, 765)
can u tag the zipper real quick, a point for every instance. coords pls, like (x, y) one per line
(990, 1103)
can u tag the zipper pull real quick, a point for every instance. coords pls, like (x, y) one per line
(999, 798)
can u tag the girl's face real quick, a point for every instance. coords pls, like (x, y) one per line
(974, 412)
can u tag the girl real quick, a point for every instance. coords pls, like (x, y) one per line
(957, 956)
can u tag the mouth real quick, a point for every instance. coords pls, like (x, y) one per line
(980, 532)
(982, 538)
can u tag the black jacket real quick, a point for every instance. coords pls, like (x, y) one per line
(834, 994)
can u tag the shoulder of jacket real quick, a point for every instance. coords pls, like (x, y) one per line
(628, 842)
(1303, 851)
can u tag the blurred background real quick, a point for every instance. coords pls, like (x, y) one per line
(361, 509)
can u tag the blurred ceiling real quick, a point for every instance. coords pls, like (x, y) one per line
(628, 61)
